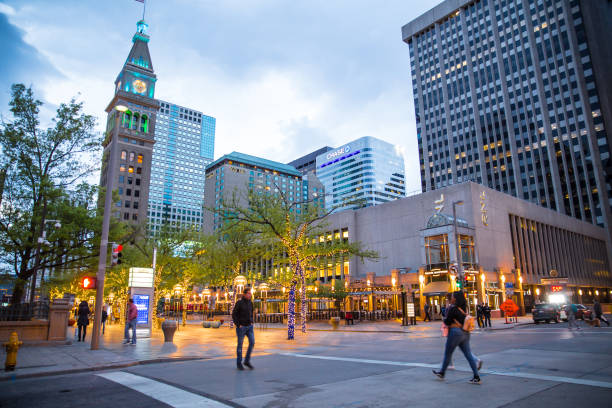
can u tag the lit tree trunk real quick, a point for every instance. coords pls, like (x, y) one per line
(291, 311)
(303, 309)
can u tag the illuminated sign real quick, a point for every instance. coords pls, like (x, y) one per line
(336, 153)
(556, 288)
(142, 304)
(140, 277)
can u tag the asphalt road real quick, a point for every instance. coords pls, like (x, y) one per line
(530, 366)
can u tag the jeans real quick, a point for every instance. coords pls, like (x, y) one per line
(458, 337)
(487, 319)
(82, 331)
(103, 326)
(571, 321)
(126, 334)
(240, 333)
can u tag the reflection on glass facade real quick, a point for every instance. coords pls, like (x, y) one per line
(505, 95)
(362, 173)
(184, 146)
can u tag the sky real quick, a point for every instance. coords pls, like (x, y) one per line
(283, 78)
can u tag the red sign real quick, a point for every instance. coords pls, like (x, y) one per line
(88, 283)
(556, 288)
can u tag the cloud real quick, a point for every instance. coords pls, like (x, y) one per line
(282, 78)
(20, 61)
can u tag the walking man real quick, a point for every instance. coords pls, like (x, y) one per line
(479, 315)
(242, 315)
(571, 316)
(486, 311)
(130, 322)
(599, 312)
(427, 311)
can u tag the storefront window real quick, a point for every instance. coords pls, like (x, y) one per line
(467, 250)
(436, 252)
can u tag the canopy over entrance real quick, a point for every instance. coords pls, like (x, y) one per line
(437, 288)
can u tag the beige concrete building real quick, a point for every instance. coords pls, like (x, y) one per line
(510, 248)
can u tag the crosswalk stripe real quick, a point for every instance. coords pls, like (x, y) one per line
(568, 380)
(175, 397)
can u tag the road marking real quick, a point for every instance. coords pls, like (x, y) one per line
(175, 397)
(568, 380)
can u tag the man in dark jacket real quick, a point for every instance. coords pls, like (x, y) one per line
(599, 313)
(486, 312)
(480, 315)
(242, 315)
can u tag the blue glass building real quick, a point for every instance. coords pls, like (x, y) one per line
(184, 146)
(362, 173)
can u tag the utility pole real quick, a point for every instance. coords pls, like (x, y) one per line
(457, 249)
(108, 203)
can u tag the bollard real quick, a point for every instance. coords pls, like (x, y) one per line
(12, 347)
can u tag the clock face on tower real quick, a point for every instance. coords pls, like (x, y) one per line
(139, 86)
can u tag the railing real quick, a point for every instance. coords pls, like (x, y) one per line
(25, 311)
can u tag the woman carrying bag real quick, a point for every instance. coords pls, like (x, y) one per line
(455, 320)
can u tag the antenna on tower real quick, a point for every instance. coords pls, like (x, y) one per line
(144, 7)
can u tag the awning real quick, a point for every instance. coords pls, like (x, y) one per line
(437, 288)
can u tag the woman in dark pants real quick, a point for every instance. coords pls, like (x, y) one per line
(457, 337)
(83, 320)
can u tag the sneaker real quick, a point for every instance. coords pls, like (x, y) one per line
(475, 380)
(248, 364)
(438, 374)
(133, 343)
(479, 365)
(240, 366)
(451, 367)
(126, 342)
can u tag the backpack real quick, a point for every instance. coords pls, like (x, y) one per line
(468, 323)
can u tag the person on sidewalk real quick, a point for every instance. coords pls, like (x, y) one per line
(104, 317)
(242, 315)
(479, 316)
(486, 312)
(457, 337)
(571, 310)
(599, 313)
(427, 312)
(83, 320)
(130, 322)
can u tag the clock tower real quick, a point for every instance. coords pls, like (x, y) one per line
(131, 124)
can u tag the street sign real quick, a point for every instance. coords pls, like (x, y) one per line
(509, 291)
(509, 285)
(410, 309)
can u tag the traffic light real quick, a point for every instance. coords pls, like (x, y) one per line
(88, 282)
(116, 254)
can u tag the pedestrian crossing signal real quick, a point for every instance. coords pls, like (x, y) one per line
(116, 254)
(88, 282)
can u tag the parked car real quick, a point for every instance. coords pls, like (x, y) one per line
(582, 313)
(546, 312)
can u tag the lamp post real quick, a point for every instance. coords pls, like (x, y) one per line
(457, 249)
(108, 203)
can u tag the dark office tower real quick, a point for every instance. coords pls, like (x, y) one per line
(515, 94)
(134, 102)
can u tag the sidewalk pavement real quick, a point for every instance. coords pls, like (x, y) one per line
(191, 342)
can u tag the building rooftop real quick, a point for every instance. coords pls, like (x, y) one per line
(440, 12)
(255, 161)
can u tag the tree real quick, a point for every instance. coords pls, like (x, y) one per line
(295, 228)
(44, 173)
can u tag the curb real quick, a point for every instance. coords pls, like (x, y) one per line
(101, 367)
(508, 327)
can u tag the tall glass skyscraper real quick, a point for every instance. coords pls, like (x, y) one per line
(364, 172)
(514, 94)
(184, 146)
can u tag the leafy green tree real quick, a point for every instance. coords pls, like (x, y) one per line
(44, 172)
(294, 228)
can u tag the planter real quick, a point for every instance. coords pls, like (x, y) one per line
(206, 324)
(335, 322)
(215, 325)
(169, 327)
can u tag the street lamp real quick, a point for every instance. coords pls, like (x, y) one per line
(458, 254)
(108, 204)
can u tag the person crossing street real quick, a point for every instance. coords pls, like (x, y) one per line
(242, 315)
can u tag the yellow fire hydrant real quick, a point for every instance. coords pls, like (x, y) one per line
(12, 347)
